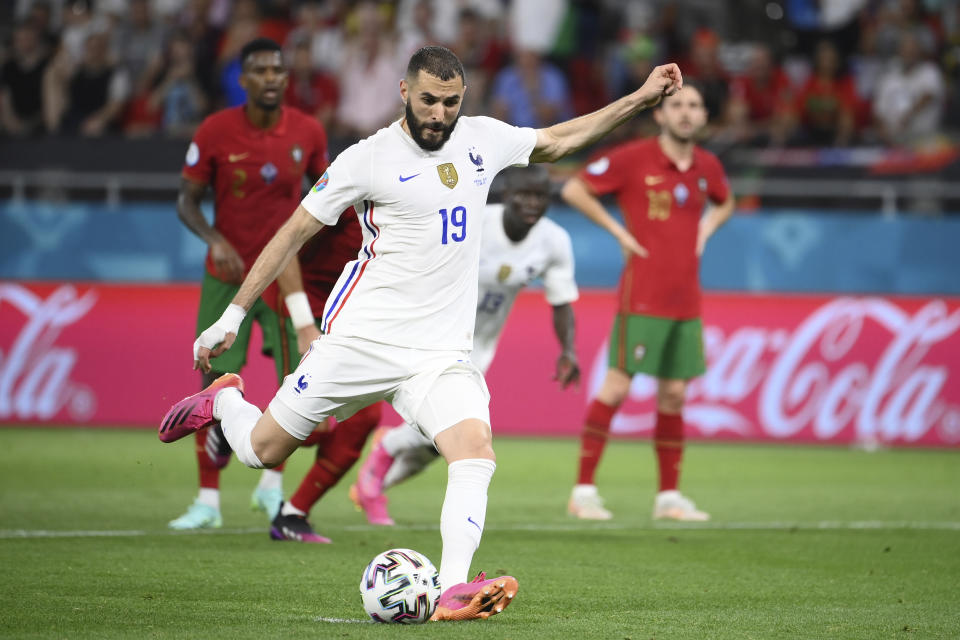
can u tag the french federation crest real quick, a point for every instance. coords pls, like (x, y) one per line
(503, 273)
(476, 158)
(448, 174)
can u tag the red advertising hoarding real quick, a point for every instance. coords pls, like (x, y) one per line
(780, 368)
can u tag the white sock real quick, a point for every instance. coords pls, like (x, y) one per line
(289, 510)
(462, 517)
(581, 491)
(270, 479)
(209, 497)
(237, 419)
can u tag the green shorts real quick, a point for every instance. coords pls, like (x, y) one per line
(660, 347)
(279, 338)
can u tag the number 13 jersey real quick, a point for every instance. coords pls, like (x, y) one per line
(414, 282)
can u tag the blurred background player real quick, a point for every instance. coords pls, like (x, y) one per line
(255, 156)
(517, 247)
(662, 185)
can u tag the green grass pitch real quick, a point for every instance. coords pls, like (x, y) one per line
(805, 543)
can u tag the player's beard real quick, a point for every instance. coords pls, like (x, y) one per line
(416, 130)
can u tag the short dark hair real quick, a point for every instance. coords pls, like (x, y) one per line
(513, 178)
(689, 84)
(256, 46)
(437, 61)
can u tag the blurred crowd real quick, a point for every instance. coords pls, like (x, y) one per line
(787, 73)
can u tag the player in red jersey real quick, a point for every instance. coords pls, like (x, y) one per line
(255, 157)
(662, 186)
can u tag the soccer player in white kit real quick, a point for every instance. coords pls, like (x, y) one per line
(517, 246)
(400, 323)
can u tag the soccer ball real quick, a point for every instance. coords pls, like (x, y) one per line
(400, 585)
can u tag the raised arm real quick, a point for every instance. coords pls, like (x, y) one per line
(272, 260)
(563, 139)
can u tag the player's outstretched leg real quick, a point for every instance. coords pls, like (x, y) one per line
(467, 446)
(196, 412)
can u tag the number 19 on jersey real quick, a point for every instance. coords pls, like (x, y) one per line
(457, 218)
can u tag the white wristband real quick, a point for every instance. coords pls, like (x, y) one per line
(299, 307)
(231, 319)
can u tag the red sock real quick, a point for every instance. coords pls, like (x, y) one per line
(593, 439)
(668, 444)
(335, 459)
(209, 471)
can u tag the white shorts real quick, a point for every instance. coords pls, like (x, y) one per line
(339, 376)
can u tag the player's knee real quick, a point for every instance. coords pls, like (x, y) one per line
(670, 397)
(468, 439)
(270, 453)
(615, 388)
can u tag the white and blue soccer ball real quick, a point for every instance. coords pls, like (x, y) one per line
(400, 585)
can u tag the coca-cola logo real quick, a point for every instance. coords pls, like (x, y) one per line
(35, 372)
(855, 369)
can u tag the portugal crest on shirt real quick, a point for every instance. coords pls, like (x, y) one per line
(296, 153)
(448, 174)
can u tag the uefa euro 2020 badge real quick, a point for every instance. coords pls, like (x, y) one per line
(321, 183)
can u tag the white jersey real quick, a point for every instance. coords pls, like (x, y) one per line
(414, 282)
(506, 267)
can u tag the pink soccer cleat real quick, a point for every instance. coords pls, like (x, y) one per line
(374, 507)
(196, 412)
(478, 599)
(367, 493)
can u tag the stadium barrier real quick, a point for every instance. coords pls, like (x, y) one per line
(807, 369)
(799, 250)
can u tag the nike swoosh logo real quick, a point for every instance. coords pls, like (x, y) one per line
(404, 179)
(652, 180)
(470, 520)
(237, 157)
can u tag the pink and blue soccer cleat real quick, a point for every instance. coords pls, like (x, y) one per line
(478, 599)
(196, 412)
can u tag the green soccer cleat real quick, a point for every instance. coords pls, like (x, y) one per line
(267, 500)
(198, 516)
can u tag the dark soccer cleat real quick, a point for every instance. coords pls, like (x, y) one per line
(295, 528)
(196, 412)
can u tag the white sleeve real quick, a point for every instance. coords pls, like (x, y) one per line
(341, 185)
(513, 144)
(559, 285)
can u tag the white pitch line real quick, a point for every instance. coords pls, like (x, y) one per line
(343, 620)
(825, 525)
(130, 533)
